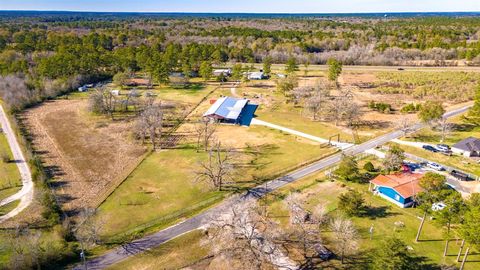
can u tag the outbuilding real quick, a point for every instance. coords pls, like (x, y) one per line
(469, 147)
(256, 76)
(232, 111)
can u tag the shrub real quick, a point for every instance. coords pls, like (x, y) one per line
(410, 108)
(369, 167)
(380, 107)
(352, 203)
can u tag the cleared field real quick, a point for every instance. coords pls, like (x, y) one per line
(83, 158)
(164, 185)
(10, 181)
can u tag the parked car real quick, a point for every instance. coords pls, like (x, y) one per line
(412, 166)
(460, 176)
(430, 148)
(323, 253)
(443, 148)
(435, 166)
(438, 206)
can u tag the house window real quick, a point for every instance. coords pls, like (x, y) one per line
(397, 197)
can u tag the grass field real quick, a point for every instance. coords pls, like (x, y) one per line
(164, 184)
(8, 207)
(10, 181)
(176, 254)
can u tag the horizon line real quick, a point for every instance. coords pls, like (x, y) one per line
(240, 12)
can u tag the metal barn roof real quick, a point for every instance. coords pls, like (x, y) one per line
(227, 107)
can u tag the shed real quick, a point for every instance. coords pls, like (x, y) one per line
(232, 110)
(469, 147)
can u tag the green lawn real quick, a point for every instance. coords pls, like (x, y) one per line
(163, 189)
(175, 254)
(8, 207)
(10, 181)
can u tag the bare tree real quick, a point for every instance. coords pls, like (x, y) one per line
(103, 101)
(345, 235)
(305, 226)
(205, 132)
(218, 167)
(87, 231)
(405, 125)
(246, 239)
(150, 123)
(445, 128)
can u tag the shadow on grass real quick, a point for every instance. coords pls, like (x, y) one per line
(372, 212)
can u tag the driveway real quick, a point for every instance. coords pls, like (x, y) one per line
(25, 195)
(340, 145)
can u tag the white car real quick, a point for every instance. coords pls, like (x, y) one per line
(435, 166)
(438, 206)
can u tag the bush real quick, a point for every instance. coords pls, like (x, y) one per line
(410, 108)
(369, 167)
(380, 107)
(352, 203)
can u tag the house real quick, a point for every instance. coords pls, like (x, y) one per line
(256, 75)
(470, 147)
(400, 188)
(226, 72)
(232, 111)
(137, 82)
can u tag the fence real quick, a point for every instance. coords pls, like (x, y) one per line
(183, 213)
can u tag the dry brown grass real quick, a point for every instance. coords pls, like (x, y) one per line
(84, 158)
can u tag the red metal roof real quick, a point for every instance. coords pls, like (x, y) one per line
(406, 184)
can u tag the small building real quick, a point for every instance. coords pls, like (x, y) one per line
(469, 147)
(256, 76)
(400, 188)
(137, 82)
(115, 92)
(83, 88)
(232, 111)
(226, 72)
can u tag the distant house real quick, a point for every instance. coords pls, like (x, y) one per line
(232, 111)
(226, 72)
(137, 82)
(82, 88)
(256, 76)
(399, 189)
(115, 92)
(470, 147)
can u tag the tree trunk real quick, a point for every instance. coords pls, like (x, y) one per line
(420, 227)
(460, 251)
(445, 251)
(464, 259)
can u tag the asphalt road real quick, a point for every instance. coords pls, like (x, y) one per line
(196, 222)
(25, 195)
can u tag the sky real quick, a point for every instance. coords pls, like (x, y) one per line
(246, 6)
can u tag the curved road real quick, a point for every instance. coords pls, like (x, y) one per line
(201, 220)
(25, 195)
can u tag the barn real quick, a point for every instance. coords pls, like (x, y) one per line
(400, 188)
(232, 111)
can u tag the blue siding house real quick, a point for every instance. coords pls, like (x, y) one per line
(232, 111)
(399, 189)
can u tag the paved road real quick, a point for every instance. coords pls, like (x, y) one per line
(25, 195)
(202, 219)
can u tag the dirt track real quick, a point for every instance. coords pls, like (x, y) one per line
(84, 158)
